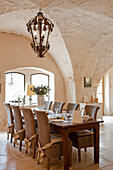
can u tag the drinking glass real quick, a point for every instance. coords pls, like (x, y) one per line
(66, 116)
(71, 112)
(56, 110)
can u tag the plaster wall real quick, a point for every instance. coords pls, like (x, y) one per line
(82, 40)
(15, 52)
(108, 92)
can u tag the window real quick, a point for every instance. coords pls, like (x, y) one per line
(99, 93)
(14, 86)
(37, 80)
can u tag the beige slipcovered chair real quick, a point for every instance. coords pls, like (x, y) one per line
(72, 106)
(10, 124)
(59, 106)
(47, 105)
(84, 138)
(31, 134)
(50, 145)
(92, 111)
(20, 131)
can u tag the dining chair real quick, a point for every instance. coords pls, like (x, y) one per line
(10, 124)
(18, 126)
(84, 138)
(30, 128)
(92, 111)
(71, 107)
(59, 106)
(49, 145)
(47, 105)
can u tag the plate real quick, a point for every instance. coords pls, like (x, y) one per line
(57, 121)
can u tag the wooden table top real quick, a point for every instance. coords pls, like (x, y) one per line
(69, 123)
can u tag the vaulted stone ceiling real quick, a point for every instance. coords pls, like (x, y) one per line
(83, 36)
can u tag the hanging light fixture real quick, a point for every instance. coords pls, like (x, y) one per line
(40, 28)
(11, 83)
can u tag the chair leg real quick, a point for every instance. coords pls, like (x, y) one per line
(7, 136)
(70, 161)
(38, 158)
(20, 147)
(59, 157)
(79, 155)
(14, 145)
(85, 149)
(34, 151)
(11, 138)
(70, 154)
(48, 164)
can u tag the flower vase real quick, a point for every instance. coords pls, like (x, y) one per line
(40, 99)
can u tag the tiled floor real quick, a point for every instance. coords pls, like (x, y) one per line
(12, 159)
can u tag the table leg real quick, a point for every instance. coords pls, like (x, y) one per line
(65, 149)
(96, 144)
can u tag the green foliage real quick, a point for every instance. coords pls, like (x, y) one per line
(41, 90)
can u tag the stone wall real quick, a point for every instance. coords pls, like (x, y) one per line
(15, 52)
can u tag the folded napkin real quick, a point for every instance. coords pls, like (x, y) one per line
(77, 117)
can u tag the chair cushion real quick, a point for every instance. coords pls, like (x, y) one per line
(82, 133)
(82, 139)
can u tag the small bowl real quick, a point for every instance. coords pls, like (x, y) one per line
(85, 117)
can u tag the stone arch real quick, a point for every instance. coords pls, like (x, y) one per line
(58, 48)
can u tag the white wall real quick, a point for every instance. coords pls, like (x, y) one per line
(108, 92)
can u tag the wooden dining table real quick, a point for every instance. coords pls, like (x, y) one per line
(66, 127)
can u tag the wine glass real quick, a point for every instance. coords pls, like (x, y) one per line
(71, 112)
(66, 116)
(56, 110)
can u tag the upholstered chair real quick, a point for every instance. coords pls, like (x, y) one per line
(50, 145)
(20, 131)
(59, 106)
(30, 128)
(47, 105)
(84, 138)
(72, 106)
(10, 124)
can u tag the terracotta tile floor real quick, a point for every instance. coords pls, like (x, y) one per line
(12, 159)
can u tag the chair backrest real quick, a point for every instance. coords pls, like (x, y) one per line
(92, 110)
(58, 105)
(43, 127)
(17, 118)
(47, 105)
(71, 107)
(9, 113)
(29, 122)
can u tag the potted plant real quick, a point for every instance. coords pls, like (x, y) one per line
(41, 91)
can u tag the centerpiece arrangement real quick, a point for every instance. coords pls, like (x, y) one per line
(41, 91)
